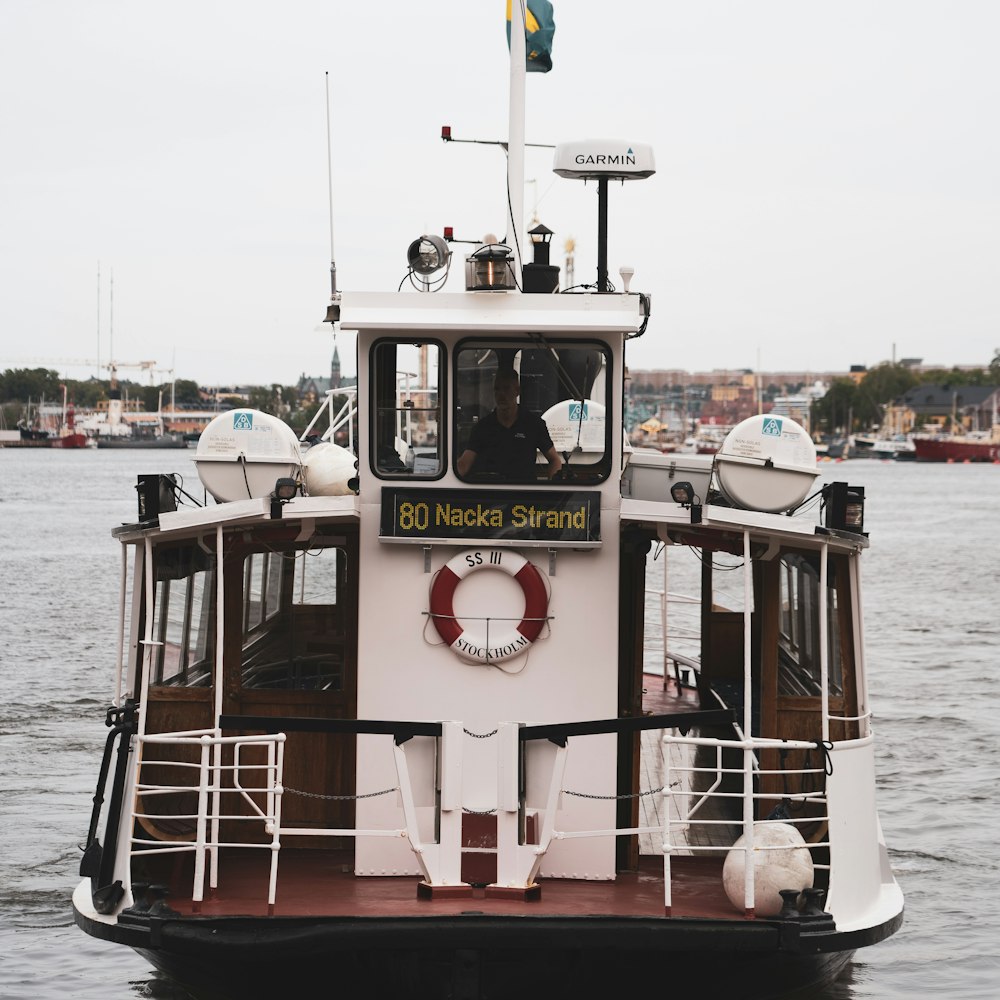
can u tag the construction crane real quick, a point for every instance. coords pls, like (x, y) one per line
(112, 367)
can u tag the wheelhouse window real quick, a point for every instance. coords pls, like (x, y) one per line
(183, 618)
(531, 412)
(407, 439)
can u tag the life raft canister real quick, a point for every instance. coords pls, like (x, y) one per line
(488, 640)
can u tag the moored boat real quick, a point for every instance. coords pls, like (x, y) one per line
(899, 448)
(983, 446)
(381, 717)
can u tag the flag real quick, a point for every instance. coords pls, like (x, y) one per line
(539, 29)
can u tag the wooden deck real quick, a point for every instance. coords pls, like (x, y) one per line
(322, 883)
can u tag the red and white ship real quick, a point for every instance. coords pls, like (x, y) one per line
(976, 446)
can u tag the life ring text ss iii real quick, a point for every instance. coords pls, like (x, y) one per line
(488, 640)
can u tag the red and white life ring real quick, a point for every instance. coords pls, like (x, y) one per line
(488, 640)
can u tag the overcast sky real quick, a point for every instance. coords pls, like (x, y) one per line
(827, 188)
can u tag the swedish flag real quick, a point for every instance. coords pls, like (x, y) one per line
(540, 28)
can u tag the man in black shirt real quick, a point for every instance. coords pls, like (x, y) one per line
(506, 441)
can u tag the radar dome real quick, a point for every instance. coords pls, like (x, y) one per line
(242, 452)
(766, 463)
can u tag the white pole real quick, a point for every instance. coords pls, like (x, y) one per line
(749, 888)
(824, 659)
(515, 137)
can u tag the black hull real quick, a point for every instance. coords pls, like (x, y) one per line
(480, 958)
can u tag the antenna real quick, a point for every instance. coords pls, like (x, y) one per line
(98, 319)
(334, 295)
(111, 319)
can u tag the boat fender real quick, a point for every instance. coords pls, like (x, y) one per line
(488, 640)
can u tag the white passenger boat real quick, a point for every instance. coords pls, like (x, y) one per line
(387, 729)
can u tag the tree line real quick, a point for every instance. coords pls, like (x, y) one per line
(20, 387)
(857, 406)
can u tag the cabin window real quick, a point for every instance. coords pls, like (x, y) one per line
(184, 618)
(407, 438)
(799, 647)
(562, 386)
(293, 636)
(261, 587)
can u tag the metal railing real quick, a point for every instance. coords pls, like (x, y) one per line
(206, 820)
(702, 811)
(440, 862)
(692, 833)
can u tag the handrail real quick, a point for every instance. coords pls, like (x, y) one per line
(207, 841)
(400, 731)
(517, 863)
(343, 416)
(559, 732)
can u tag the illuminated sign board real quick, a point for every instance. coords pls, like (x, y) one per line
(549, 516)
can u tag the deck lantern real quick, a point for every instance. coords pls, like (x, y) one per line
(489, 269)
(540, 276)
(844, 507)
(157, 495)
(541, 239)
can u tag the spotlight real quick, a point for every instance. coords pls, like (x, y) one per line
(682, 493)
(427, 255)
(284, 490)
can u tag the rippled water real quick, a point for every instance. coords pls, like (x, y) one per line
(932, 619)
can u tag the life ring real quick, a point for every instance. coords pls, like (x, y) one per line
(488, 640)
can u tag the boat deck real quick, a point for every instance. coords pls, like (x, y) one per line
(323, 883)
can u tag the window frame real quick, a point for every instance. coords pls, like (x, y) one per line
(605, 466)
(442, 407)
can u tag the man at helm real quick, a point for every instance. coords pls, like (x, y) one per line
(506, 441)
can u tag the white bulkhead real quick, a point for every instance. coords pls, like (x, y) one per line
(407, 671)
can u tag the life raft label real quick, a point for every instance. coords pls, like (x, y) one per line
(556, 516)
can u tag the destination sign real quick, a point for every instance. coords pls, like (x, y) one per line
(557, 516)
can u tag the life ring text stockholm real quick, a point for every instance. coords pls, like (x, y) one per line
(488, 640)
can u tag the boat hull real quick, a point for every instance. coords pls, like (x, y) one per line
(954, 450)
(70, 441)
(481, 956)
(166, 441)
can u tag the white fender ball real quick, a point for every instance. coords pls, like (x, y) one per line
(327, 469)
(774, 870)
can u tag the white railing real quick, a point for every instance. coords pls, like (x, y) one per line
(693, 828)
(679, 633)
(336, 420)
(698, 816)
(685, 828)
(440, 862)
(210, 790)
